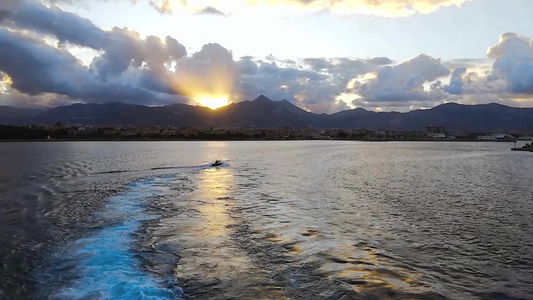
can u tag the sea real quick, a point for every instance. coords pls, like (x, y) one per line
(278, 220)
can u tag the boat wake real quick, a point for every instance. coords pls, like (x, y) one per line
(105, 265)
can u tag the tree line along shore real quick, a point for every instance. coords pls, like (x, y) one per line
(64, 132)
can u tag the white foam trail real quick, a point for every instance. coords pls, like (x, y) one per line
(106, 265)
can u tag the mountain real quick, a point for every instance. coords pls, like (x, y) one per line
(12, 115)
(262, 112)
(483, 117)
(116, 113)
(265, 113)
(453, 116)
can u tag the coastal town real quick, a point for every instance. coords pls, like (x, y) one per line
(60, 131)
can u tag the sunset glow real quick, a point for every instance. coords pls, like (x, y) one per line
(213, 102)
(308, 52)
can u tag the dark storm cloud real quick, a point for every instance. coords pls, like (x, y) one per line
(119, 73)
(247, 66)
(66, 27)
(37, 68)
(3, 14)
(7, 6)
(122, 47)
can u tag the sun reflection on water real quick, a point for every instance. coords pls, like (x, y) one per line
(211, 258)
(216, 187)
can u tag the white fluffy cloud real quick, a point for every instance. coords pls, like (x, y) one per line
(404, 82)
(513, 56)
(509, 80)
(425, 81)
(313, 83)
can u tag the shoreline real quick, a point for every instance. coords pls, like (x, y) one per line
(255, 140)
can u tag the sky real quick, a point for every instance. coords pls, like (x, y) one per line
(322, 55)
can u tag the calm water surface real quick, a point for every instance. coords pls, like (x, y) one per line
(279, 220)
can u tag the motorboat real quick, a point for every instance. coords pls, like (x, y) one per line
(216, 163)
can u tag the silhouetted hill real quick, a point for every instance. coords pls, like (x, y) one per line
(123, 114)
(265, 113)
(12, 115)
(453, 116)
(262, 112)
(483, 117)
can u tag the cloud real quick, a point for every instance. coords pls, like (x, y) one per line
(509, 77)
(278, 82)
(163, 6)
(404, 82)
(382, 8)
(35, 53)
(513, 56)
(456, 82)
(37, 68)
(119, 74)
(66, 27)
(17, 99)
(126, 49)
(387, 8)
(209, 10)
(312, 83)
(210, 71)
(381, 61)
(6, 6)
(479, 63)
(122, 47)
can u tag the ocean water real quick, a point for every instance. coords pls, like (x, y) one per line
(278, 220)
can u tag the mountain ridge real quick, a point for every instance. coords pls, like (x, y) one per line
(265, 113)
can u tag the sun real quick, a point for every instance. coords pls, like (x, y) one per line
(212, 102)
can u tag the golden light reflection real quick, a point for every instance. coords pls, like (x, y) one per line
(216, 187)
(213, 253)
(212, 102)
(368, 266)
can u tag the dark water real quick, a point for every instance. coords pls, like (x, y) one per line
(279, 220)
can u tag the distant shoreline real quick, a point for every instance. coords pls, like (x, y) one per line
(252, 140)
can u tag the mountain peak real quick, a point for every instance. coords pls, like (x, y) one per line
(262, 98)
